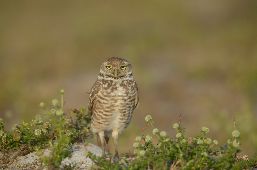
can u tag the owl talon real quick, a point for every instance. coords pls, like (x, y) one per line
(116, 158)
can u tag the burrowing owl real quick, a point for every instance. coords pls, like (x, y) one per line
(112, 100)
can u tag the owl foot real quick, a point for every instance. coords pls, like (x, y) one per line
(116, 158)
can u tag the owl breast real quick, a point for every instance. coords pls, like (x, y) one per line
(114, 106)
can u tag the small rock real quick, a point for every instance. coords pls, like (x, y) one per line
(27, 162)
(78, 159)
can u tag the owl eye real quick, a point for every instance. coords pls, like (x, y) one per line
(123, 67)
(108, 67)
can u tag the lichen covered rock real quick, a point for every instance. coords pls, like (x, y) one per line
(29, 161)
(77, 160)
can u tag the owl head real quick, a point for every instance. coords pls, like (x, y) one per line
(116, 68)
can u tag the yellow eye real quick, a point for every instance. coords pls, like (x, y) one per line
(108, 67)
(123, 67)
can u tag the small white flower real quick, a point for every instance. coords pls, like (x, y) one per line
(235, 143)
(204, 154)
(138, 138)
(208, 141)
(44, 131)
(148, 118)
(178, 135)
(38, 120)
(205, 129)
(155, 131)
(183, 141)
(25, 124)
(148, 138)
(1, 133)
(175, 125)
(215, 142)
(37, 132)
(42, 104)
(163, 134)
(229, 141)
(62, 91)
(166, 140)
(235, 133)
(141, 153)
(59, 112)
(136, 144)
(199, 141)
(55, 102)
(68, 133)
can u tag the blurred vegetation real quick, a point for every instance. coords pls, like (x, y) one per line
(197, 59)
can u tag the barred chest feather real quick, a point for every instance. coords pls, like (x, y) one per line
(116, 101)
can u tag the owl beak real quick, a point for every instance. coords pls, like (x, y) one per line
(116, 73)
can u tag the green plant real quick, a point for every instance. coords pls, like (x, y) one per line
(52, 128)
(61, 146)
(56, 130)
(158, 151)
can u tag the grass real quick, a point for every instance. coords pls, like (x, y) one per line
(57, 130)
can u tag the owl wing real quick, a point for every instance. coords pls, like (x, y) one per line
(92, 96)
(137, 98)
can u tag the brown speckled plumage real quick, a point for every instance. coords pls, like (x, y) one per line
(112, 100)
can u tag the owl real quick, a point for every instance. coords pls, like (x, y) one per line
(112, 100)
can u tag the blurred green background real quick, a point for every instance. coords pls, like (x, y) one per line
(194, 58)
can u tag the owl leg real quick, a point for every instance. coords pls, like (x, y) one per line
(102, 140)
(106, 143)
(115, 135)
(98, 141)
